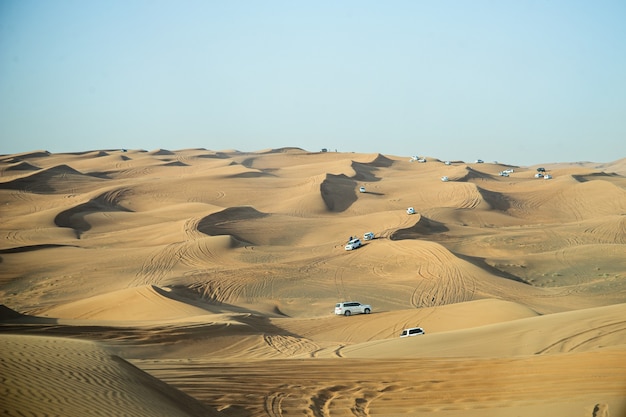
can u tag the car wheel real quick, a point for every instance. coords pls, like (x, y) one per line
(367, 311)
(347, 313)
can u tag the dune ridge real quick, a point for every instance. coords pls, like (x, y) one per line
(200, 282)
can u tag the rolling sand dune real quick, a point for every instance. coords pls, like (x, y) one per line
(196, 282)
(53, 376)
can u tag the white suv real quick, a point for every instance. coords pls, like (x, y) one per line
(352, 307)
(413, 331)
(353, 244)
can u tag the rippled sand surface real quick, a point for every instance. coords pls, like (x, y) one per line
(203, 283)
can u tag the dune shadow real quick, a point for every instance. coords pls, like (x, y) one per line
(482, 264)
(12, 321)
(160, 152)
(175, 164)
(21, 156)
(40, 181)
(216, 155)
(497, 201)
(423, 227)
(74, 218)
(338, 192)
(364, 172)
(472, 175)
(252, 174)
(225, 222)
(597, 176)
(22, 166)
(31, 248)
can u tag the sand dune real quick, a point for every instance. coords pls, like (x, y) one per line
(215, 273)
(53, 376)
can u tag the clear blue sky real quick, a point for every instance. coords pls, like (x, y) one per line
(521, 82)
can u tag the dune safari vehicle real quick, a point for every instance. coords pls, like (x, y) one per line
(353, 244)
(413, 331)
(410, 210)
(347, 308)
(368, 236)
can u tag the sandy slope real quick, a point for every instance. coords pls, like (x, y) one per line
(56, 376)
(217, 273)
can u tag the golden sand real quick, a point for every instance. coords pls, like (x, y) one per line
(202, 283)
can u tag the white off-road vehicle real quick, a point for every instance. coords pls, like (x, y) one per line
(413, 331)
(353, 244)
(347, 308)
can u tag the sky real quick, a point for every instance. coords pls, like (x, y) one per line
(519, 82)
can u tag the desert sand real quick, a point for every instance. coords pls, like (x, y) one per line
(203, 283)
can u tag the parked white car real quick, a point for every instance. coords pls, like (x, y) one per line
(539, 175)
(368, 236)
(445, 179)
(447, 162)
(547, 177)
(410, 210)
(413, 331)
(361, 189)
(353, 244)
(347, 308)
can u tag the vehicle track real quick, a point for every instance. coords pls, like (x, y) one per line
(273, 402)
(339, 283)
(595, 335)
(290, 345)
(223, 291)
(158, 264)
(439, 282)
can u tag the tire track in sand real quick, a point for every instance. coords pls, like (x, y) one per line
(273, 402)
(158, 264)
(595, 335)
(439, 282)
(290, 346)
